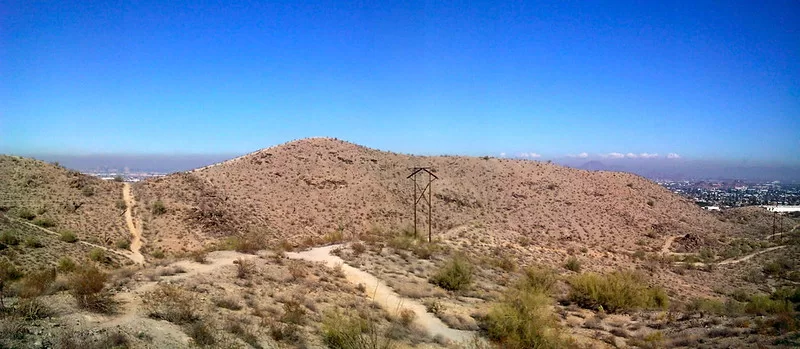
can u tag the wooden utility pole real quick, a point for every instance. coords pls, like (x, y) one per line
(421, 196)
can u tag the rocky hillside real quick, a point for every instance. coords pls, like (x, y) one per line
(59, 199)
(313, 187)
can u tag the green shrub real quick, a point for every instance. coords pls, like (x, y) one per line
(68, 236)
(227, 303)
(26, 213)
(97, 254)
(615, 292)
(523, 319)
(342, 331)
(45, 222)
(118, 179)
(201, 333)
(247, 242)
(763, 305)
(66, 265)
(87, 285)
(573, 264)
(120, 204)
(123, 244)
(158, 208)
(705, 306)
(8, 272)
(9, 238)
(538, 279)
(33, 309)
(33, 242)
(158, 254)
(455, 275)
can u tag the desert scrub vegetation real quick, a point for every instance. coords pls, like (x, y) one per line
(158, 208)
(26, 213)
(97, 254)
(66, 265)
(350, 331)
(68, 236)
(171, 303)
(250, 242)
(45, 222)
(455, 275)
(123, 244)
(120, 205)
(87, 285)
(523, 317)
(33, 242)
(573, 264)
(618, 291)
(36, 283)
(9, 238)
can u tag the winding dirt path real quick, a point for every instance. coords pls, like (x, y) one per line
(668, 243)
(382, 294)
(136, 233)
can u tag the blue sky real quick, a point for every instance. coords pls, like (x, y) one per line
(706, 80)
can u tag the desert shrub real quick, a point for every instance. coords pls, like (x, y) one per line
(121, 205)
(293, 312)
(66, 265)
(158, 208)
(228, 303)
(123, 244)
(283, 332)
(334, 236)
(615, 292)
(523, 320)
(407, 316)
(762, 305)
(9, 238)
(200, 257)
(345, 331)
(33, 309)
(97, 254)
(358, 248)
(244, 268)
(171, 303)
(573, 264)
(201, 333)
(118, 178)
(45, 222)
(778, 267)
(159, 254)
(236, 327)
(68, 236)
(87, 285)
(8, 271)
(248, 242)
(87, 191)
(538, 279)
(297, 270)
(26, 213)
(36, 283)
(33, 242)
(455, 275)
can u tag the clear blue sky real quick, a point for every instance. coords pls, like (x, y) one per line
(714, 80)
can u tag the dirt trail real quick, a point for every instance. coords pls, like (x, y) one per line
(782, 234)
(742, 259)
(668, 243)
(136, 233)
(126, 255)
(383, 294)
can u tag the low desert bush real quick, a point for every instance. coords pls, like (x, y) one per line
(248, 242)
(200, 257)
(66, 265)
(407, 316)
(538, 279)
(87, 191)
(347, 331)
(113, 339)
(87, 284)
(455, 275)
(68, 236)
(33, 309)
(123, 244)
(9, 238)
(45, 222)
(36, 283)
(121, 205)
(244, 268)
(158, 208)
(26, 213)
(615, 292)
(358, 248)
(293, 312)
(171, 303)
(33, 242)
(762, 305)
(228, 303)
(524, 320)
(573, 264)
(202, 334)
(97, 254)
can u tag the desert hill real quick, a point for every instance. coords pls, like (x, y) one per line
(59, 199)
(312, 187)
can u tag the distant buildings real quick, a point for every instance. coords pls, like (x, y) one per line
(782, 209)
